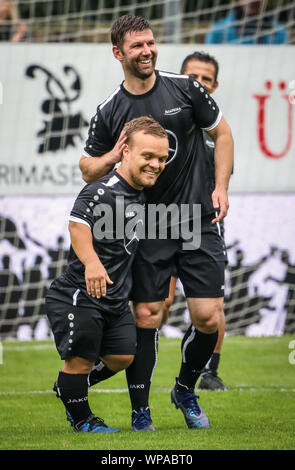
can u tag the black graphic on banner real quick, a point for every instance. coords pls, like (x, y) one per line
(62, 125)
(22, 293)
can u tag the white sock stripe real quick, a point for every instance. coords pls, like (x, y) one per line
(182, 385)
(208, 363)
(156, 339)
(218, 224)
(186, 343)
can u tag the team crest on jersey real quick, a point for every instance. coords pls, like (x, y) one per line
(118, 223)
(173, 146)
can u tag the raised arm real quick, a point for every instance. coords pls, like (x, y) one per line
(96, 277)
(93, 168)
(223, 156)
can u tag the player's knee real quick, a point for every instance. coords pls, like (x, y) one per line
(148, 315)
(166, 307)
(213, 322)
(77, 365)
(125, 361)
(118, 362)
(165, 315)
(208, 321)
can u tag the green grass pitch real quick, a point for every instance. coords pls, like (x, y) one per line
(257, 413)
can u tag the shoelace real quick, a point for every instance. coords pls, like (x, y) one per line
(141, 417)
(95, 421)
(191, 401)
(92, 421)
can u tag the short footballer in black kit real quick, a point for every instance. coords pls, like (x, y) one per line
(184, 108)
(88, 306)
(71, 310)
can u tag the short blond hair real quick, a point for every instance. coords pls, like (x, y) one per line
(146, 124)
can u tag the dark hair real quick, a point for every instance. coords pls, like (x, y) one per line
(203, 57)
(144, 123)
(126, 24)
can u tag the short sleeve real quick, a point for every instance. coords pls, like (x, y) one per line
(90, 196)
(206, 110)
(99, 140)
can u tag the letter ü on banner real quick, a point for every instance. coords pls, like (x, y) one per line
(262, 99)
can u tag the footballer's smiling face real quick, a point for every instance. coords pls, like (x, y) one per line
(138, 53)
(144, 159)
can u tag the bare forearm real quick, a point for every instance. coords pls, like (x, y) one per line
(81, 239)
(223, 155)
(223, 160)
(93, 168)
(96, 277)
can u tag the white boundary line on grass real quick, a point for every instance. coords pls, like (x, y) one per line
(42, 392)
(237, 388)
(30, 346)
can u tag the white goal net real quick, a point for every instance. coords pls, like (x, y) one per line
(177, 21)
(57, 66)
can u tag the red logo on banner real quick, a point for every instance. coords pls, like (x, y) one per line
(262, 99)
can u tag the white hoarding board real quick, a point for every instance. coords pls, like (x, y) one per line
(260, 275)
(50, 92)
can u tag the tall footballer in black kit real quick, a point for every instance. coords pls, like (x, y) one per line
(185, 109)
(174, 101)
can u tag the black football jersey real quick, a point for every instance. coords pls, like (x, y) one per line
(210, 162)
(184, 108)
(108, 207)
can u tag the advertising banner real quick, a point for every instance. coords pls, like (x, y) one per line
(260, 275)
(49, 93)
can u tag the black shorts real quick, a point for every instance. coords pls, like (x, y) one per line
(201, 271)
(90, 332)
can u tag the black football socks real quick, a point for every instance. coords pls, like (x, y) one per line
(139, 373)
(73, 391)
(213, 364)
(196, 348)
(99, 373)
